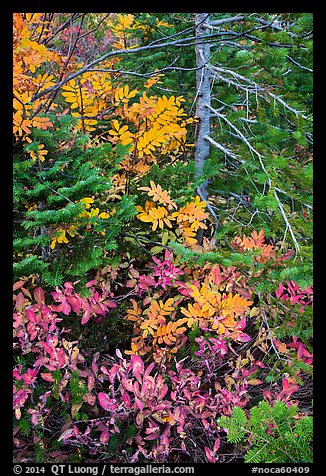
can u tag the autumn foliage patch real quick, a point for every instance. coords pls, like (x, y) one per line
(144, 329)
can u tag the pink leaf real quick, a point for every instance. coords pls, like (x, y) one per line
(216, 445)
(210, 455)
(153, 436)
(217, 275)
(90, 283)
(110, 303)
(280, 290)
(134, 273)
(137, 367)
(94, 364)
(105, 436)
(47, 376)
(149, 369)
(75, 303)
(243, 337)
(69, 285)
(90, 399)
(31, 316)
(86, 316)
(289, 388)
(126, 399)
(163, 391)
(66, 308)
(106, 402)
(39, 295)
(90, 382)
(127, 383)
(139, 404)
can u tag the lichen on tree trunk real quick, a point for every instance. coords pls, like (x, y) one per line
(203, 99)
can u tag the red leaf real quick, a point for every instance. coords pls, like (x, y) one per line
(127, 383)
(216, 271)
(126, 400)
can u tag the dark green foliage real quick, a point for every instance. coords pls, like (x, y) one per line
(271, 434)
(77, 388)
(261, 91)
(72, 172)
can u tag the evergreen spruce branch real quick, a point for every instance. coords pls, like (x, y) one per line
(276, 25)
(29, 265)
(173, 35)
(282, 433)
(273, 44)
(54, 191)
(21, 243)
(48, 217)
(283, 442)
(243, 138)
(254, 453)
(78, 188)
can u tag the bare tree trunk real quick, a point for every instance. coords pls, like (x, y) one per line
(203, 99)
